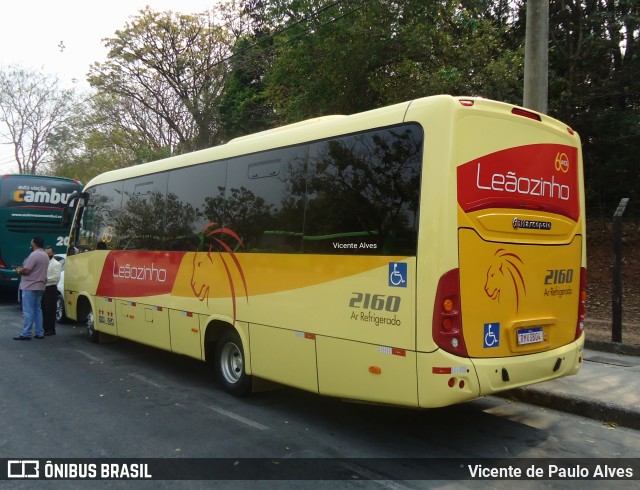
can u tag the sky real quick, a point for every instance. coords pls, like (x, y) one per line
(64, 38)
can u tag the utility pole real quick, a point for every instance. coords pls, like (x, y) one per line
(536, 56)
(616, 290)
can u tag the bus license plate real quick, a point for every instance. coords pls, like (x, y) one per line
(530, 336)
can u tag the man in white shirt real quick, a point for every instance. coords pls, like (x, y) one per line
(50, 297)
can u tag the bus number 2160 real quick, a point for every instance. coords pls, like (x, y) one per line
(377, 302)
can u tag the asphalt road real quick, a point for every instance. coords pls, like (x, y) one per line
(64, 397)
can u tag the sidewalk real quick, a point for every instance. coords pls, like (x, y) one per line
(607, 387)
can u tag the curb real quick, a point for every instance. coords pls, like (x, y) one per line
(613, 347)
(593, 409)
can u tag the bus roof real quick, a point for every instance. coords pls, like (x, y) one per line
(32, 176)
(305, 131)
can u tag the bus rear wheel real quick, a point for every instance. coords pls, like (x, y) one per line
(229, 364)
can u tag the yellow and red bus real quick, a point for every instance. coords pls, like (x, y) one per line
(422, 254)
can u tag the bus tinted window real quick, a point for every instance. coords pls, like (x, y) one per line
(363, 193)
(264, 201)
(191, 204)
(141, 224)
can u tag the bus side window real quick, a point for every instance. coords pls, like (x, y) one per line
(264, 199)
(363, 193)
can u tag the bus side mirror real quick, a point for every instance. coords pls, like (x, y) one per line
(66, 217)
(67, 214)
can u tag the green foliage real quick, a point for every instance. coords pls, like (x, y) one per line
(594, 71)
(244, 106)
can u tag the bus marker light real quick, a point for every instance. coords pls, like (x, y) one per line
(450, 370)
(375, 370)
(523, 112)
(452, 382)
(194, 330)
(394, 351)
(466, 103)
(461, 384)
(310, 336)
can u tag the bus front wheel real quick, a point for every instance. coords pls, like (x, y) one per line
(229, 364)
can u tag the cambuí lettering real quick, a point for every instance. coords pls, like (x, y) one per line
(40, 195)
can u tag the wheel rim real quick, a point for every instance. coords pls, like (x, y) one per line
(231, 363)
(90, 329)
(59, 308)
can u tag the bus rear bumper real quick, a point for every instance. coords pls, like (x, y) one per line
(499, 374)
(445, 379)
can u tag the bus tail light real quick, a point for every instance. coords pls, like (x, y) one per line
(518, 111)
(582, 302)
(447, 315)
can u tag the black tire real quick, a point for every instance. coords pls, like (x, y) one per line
(61, 316)
(229, 364)
(92, 333)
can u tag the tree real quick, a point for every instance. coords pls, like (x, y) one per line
(171, 66)
(104, 134)
(32, 105)
(244, 106)
(351, 55)
(594, 71)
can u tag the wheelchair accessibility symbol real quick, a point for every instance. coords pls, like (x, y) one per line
(491, 335)
(398, 274)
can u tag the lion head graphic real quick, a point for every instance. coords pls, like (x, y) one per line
(504, 272)
(205, 269)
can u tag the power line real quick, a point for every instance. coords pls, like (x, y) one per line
(8, 160)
